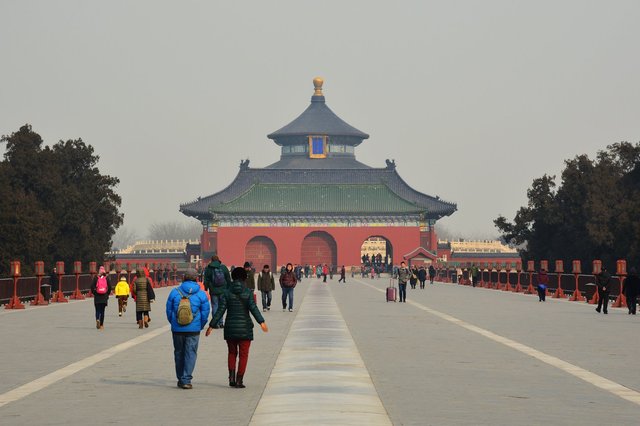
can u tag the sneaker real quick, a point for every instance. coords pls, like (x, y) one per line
(597, 310)
(268, 308)
(179, 385)
(97, 324)
(119, 314)
(187, 386)
(264, 309)
(290, 310)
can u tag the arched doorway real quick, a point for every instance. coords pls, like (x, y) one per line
(319, 248)
(261, 251)
(377, 250)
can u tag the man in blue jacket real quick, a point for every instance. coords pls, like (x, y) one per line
(187, 336)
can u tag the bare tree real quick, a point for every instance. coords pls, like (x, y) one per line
(175, 231)
(123, 238)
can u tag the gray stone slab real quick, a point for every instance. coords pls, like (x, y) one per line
(319, 377)
(429, 371)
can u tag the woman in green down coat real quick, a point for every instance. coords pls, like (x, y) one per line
(238, 326)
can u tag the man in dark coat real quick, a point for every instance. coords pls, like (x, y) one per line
(603, 279)
(238, 331)
(422, 276)
(216, 285)
(631, 288)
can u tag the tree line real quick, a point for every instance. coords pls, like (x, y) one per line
(593, 213)
(55, 204)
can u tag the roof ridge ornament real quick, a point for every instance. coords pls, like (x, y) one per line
(391, 164)
(317, 84)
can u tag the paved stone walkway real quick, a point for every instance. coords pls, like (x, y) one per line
(452, 355)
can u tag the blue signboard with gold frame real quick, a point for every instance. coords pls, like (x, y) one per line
(317, 147)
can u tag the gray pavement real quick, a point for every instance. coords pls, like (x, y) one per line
(428, 360)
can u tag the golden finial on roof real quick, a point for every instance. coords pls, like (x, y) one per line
(317, 84)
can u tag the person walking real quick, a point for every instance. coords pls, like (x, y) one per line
(122, 294)
(475, 273)
(187, 311)
(403, 277)
(250, 282)
(238, 301)
(413, 280)
(216, 279)
(631, 288)
(343, 274)
(432, 274)
(287, 283)
(266, 285)
(543, 282)
(603, 280)
(143, 294)
(422, 276)
(101, 290)
(325, 272)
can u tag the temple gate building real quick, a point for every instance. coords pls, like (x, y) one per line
(318, 204)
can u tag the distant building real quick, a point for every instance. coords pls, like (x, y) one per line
(148, 252)
(465, 253)
(318, 204)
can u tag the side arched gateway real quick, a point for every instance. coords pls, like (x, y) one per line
(319, 247)
(261, 251)
(377, 250)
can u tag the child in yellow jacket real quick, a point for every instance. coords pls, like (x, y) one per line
(122, 294)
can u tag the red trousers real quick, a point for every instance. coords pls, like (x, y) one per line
(241, 346)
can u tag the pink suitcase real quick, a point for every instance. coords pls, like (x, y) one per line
(391, 291)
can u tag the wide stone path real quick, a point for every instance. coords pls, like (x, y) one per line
(452, 355)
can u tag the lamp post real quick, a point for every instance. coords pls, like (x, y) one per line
(530, 269)
(14, 302)
(621, 272)
(576, 268)
(559, 294)
(38, 300)
(59, 298)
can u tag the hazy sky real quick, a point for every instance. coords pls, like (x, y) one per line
(473, 99)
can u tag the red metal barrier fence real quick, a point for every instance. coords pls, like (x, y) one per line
(14, 291)
(571, 285)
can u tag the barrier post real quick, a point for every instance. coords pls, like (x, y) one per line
(577, 270)
(530, 270)
(508, 286)
(518, 288)
(59, 294)
(38, 300)
(621, 272)
(14, 301)
(559, 294)
(77, 270)
(596, 268)
(175, 274)
(93, 270)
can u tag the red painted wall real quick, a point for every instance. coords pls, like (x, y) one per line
(232, 241)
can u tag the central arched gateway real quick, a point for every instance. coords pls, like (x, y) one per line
(377, 250)
(261, 251)
(319, 248)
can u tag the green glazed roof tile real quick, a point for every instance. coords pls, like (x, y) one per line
(315, 198)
